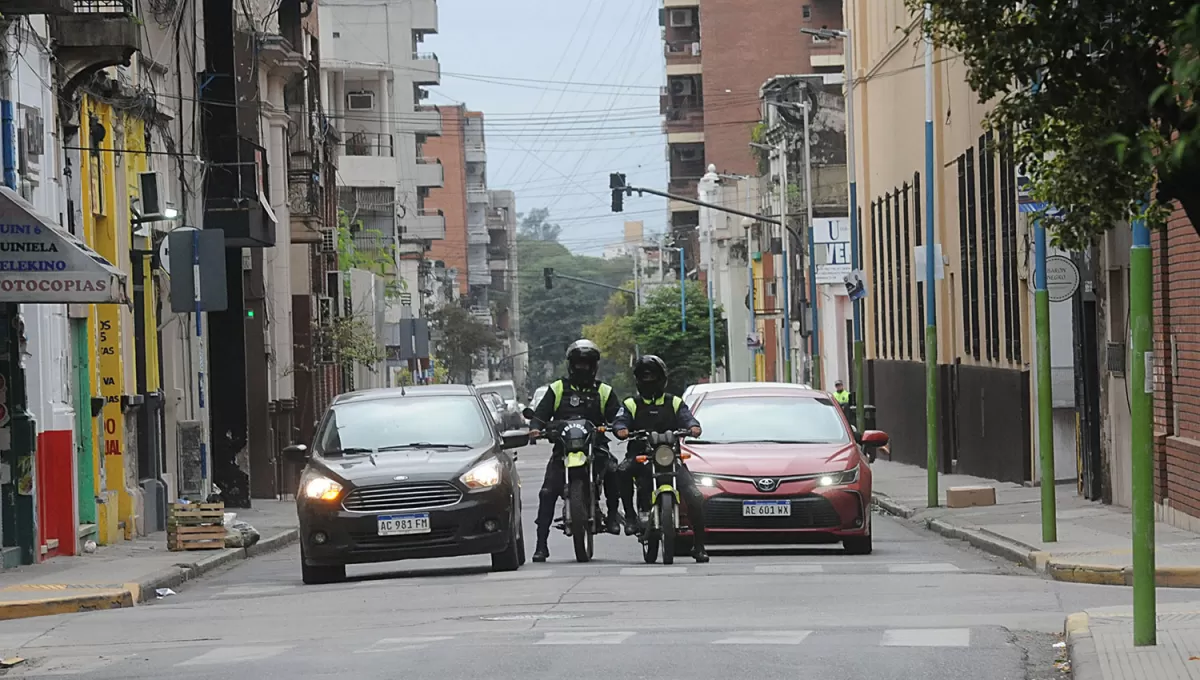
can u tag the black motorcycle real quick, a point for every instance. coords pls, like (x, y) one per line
(662, 461)
(585, 467)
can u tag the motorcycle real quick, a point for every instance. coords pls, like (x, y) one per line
(663, 462)
(582, 518)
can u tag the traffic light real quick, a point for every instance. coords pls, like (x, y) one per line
(548, 272)
(616, 182)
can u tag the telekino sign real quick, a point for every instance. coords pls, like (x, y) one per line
(41, 263)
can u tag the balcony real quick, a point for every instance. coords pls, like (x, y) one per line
(480, 275)
(430, 173)
(682, 51)
(424, 16)
(426, 225)
(374, 144)
(424, 121)
(306, 203)
(496, 221)
(97, 35)
(685, 186)
(23, 7)
(683, 119)
(426, 69)
(477, 235)
(498, 265)
(476, 193)
(235, 195)
(365, 159)
(476, 153)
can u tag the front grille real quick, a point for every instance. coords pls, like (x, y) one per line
(402, 497)
(808, 512)
(367, 542)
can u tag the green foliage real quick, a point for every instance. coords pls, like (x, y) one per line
(536, 226)
(380, 260)
(461, 341)
(1089, 91)
(757, 134)
(553, 319)
(656, 328)
(353, 339)
(614, 335)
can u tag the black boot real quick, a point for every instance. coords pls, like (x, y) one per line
(698, 552)
(541, 552)
(613, 522)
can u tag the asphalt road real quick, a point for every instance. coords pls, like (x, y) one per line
(919, 607)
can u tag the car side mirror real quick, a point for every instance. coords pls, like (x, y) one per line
(515, 439)
(875, 438)
(296, 453)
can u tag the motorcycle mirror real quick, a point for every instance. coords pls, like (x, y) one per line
(528, 413)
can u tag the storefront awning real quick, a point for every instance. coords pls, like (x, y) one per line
(41, 263)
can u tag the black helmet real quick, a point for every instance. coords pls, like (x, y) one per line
(583, 361)
(650, 373)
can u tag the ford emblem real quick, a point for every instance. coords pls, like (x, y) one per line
(399, 478)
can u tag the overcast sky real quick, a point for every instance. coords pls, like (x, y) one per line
(569, 89)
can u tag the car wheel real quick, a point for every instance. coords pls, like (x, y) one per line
(509, 559)
(318, 575)
(857, 545)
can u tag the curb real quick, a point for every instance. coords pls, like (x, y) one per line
(143, 591)
(1081, 648)
(1038, 560)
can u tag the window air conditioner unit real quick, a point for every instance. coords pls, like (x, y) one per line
(360, 101)
(689, 153)
(681, 18)
(681, 87)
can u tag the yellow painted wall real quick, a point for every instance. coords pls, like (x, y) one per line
(108, 179)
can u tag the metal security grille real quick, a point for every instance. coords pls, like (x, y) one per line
(402, 497)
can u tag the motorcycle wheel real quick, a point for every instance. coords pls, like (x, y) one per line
(580, 531)
(650, 541)
(666, 520)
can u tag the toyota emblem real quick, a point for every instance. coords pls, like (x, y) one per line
(766, 484)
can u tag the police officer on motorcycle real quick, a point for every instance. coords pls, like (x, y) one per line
(655, 410)
(579, 395)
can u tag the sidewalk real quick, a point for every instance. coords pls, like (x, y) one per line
(1100, 645)
(1094, 540)
(130, 572)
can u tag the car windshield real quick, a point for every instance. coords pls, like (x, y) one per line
(505, 392)
(729, 419)
(375, 424)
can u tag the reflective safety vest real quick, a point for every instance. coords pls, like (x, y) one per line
(558, 388)
(842, 397)
(631, 404)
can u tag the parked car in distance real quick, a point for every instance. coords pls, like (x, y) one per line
(495, 407)
(507, 391)
(408, 473)
(778, 464)
(693, 392)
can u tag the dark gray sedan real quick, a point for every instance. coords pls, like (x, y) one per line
(409, 473)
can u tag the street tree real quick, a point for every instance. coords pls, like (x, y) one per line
(536, 225)
(1093, 97)
(656, 328)
(614, 335)
(461, 341)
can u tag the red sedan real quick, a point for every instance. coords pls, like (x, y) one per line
(782, 465)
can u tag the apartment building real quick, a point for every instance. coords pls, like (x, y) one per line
(718, 54)
(373, 75)
(451, 198)
(505, 299)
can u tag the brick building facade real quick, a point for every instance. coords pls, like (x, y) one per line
(451, 198)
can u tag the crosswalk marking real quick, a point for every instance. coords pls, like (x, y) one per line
(73, 665)
(401, 644)
(585, 638)
(519, 575)
(927, 637)
(770, 637)
(222, 655)
(653, 571)
(923, 568)
(789, 569)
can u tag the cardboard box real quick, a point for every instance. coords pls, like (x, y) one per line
(970, 496)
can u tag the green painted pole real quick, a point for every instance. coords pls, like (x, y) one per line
(1140, 316)
(931, 383)
(1045, 414)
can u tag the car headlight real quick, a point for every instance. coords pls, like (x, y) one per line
(664, 456)
(839, 478)
(482, 476)
(707, 481)
(321, 488)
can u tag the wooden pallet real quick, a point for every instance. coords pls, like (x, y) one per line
(196, 526)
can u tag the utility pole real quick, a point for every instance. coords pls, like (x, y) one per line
(818, 379)
(1140, 317)
(931, 337)
(708, 185)
(787, 260)
(860, 399)
(753, 324)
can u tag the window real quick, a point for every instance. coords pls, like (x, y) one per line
(782, 419)
(806, 11)
(987, 186)
(890, 280)
(897, 284)
(908, 277)
(973, 261)
(1008, 237)
(964, 254)
(876, 287)
(377, 423)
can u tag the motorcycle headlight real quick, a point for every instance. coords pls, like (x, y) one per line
(482, 476)
(321, 488)
(664, 456)
(839, 478)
